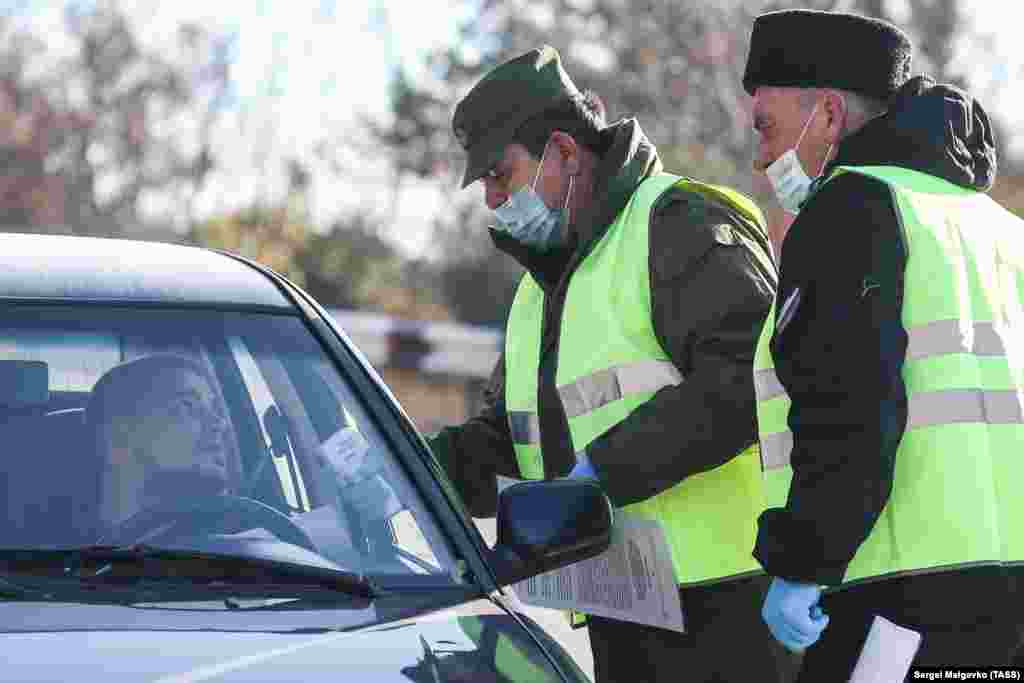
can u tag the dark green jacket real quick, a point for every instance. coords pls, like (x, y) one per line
(712, 283)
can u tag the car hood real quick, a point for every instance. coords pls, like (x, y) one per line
(474, 642)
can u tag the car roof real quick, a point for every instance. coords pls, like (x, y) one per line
(76, 268)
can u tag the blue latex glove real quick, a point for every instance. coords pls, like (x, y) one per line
(793, 615)
(583, 469)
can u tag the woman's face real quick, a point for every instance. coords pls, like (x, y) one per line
(182, 430)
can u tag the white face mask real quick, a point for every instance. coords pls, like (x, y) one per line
(525, 217)
(787, 176)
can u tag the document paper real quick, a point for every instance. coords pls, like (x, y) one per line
(887, 653)
(633, 580)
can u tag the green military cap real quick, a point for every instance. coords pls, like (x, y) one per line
(486, 119)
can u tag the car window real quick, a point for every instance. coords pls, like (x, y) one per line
(75, 361)
(219, 431)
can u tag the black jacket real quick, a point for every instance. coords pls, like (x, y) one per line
(841, 353)
(712, 281)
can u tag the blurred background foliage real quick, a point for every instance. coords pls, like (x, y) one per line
(103, 134)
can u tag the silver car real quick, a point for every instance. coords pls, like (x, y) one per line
(205, 481)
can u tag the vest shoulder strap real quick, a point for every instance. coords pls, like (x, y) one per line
(905, 177)
(721, 195)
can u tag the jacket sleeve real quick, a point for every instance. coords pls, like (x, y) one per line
(840, 357)
(711, 289)
(473, 453)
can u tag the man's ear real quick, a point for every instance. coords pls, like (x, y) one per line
(568, 151)
(835, 115)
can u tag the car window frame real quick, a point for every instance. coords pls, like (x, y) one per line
(293, 487)
(248, 425)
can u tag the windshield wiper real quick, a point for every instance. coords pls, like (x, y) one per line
(235, 566)
(125, 571)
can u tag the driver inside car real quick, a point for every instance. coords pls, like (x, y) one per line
(166, 458)
(161, 433)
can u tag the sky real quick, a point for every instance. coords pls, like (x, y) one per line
(303, 67)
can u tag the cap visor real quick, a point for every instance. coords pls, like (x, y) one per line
(477, 166)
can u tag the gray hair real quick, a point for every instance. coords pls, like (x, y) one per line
(860, 108)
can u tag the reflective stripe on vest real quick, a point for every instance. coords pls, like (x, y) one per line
(610, 362)
(595, 391)
(939, 338)
(953, 501)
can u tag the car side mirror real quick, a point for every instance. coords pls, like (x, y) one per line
(545, 525)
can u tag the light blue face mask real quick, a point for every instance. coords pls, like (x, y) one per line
(526, 218)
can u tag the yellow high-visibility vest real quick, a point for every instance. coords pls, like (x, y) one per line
(954, 501)
(609, 363)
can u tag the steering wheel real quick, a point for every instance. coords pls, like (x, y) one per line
(223, 514)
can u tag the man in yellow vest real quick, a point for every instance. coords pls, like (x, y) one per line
(889, 375)
(628, 355)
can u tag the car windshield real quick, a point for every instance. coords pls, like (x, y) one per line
(218, 432)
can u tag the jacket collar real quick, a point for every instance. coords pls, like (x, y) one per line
(933, 128)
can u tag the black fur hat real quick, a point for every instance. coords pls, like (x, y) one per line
(813, 49)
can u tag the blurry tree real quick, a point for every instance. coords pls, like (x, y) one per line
(350, 265)
(94, 124)
(477, 281)
(271, 235)
(674, 64)
(946, 45)
(936, 28)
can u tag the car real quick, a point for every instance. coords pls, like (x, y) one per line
(205, 480)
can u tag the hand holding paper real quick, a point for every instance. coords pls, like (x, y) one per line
(357, 473)
(345, 454)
